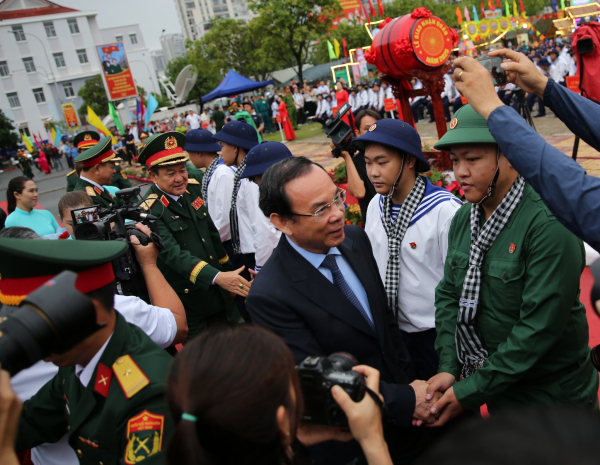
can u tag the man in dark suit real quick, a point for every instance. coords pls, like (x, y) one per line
(321, 292)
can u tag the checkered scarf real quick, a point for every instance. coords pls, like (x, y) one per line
(233, 218)
(469, 347)
(207, 175)
(395, 232)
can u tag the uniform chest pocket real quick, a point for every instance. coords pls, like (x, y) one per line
(177, 226)
(459, 262)
(505, 284)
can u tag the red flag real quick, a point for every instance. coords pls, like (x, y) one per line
(372, 9)
(482, 10)
(459, 15)
(491, 5)
(344, 45)
(366, 14)
(380, 6)
(522, 7)
(40, 137)
(498, 4)
(37, 144)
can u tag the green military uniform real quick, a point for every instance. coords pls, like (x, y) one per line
(120, 179)
(119, 416)
(219, 118)
(72, 179)
(99, 153)
(288, 99)
(25, 166)
(263, 107)
(529, 316)
(193, 254)
(194, 173)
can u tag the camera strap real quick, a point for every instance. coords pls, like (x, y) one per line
(380, 403)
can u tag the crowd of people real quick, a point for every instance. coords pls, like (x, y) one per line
(443, 306)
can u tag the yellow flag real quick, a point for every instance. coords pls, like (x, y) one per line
(97, 123)
(336, 46)
(27, 142)
(53, 132)
(515, 11)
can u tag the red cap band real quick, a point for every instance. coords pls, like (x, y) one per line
(87, 143)
(99, 159)
(87, 281)
(162, 154)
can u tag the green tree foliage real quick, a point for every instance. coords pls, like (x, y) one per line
(9, 139)
(289, 27)
(94, 95)
(207, 80)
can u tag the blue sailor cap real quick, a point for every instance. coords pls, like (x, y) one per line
(201, 140)
(238, 134)
(262, 156)
(395, 134)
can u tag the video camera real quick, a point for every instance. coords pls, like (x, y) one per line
(108, 224)
(51, 320)
(317, 376)
(339, 132)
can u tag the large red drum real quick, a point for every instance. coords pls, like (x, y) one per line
(410, 42)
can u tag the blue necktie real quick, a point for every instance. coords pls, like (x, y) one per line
(342, 285)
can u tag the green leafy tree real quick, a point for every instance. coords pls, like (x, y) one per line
(93, 95)
(9, 138)
(289, 27)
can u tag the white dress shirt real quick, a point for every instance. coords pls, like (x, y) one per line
(92, 182)
(193, 120)
(246, 213)
(218, 201)
(421, 267)
(275, 108)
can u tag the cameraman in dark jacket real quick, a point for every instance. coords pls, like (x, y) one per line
(359, 185)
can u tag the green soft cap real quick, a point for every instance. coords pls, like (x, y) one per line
(26, 258)
(467, 127)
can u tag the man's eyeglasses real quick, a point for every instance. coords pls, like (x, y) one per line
(338, 201)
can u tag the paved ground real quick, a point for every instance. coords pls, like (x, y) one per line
(52, 186)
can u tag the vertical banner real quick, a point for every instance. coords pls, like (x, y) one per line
(362, 63)
(116, 74)
(70, 115)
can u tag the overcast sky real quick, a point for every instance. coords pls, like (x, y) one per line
(152, 15)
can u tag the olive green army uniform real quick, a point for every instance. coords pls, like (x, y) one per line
(72, 179)
(288, 99)
(25, 166)
(99, 196)
(120, 179)
(194, 173)
(119, 417)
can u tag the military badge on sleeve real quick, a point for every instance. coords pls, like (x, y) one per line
(144, 436)
(197, 203)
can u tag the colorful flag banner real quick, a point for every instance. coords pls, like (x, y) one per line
(331, 51)
(152, 106)
(97, 123)
(115, 116)
(336, 48)
(459, 15)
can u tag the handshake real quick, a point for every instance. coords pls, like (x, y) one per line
(436, 403)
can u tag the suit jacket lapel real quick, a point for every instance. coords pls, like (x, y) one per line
(317, 288)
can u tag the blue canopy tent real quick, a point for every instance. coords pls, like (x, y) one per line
(234, 83)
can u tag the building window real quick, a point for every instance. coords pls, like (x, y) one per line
(190, 5)
(59, 59)
(39, 95)
(50, 31)
(119, 38)
(29, 66)
(68, 88)
(4, 71)
(73, 27)
(19, 33)
(13, 100)
(133, 39)
(82, 55)
(191, 21)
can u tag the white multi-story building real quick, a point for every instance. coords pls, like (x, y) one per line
(47, 53)
(173, 46)
(158, 61)
(139, 57)
(195, 15)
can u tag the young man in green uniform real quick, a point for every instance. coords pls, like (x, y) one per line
(108, 394)
(219, 118)
(98, 170)
(24, 164)
(288, 99)
(83, 141)
(194, 261)
(263, 107)
(511, 330)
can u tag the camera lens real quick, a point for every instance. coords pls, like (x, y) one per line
(342, 361)
(595, 356)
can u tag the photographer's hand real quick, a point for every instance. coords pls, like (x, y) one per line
(146, 255)
(232, 281)
(10, 410)
(364, 418)
(521, 71)
(474, 81)
(356, 186)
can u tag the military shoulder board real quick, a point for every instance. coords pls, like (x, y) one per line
(193, 181)
(90, 191)
(149, 201)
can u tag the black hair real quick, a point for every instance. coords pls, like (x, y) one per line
(273, 198)
(361, 114)
(546, 435)
(14, 185)
(19, 232)
(105, 295)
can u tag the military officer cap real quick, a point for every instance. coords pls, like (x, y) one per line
(164, 149)
(201, 140)
(27, 264)
(86, 139)
(100, 153)
(396, 134)
(467, 127)
(263, 156)
(239, 134)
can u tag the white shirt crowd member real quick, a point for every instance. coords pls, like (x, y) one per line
(422, 254)
(323, 108)
(218, 198)
(157, 322)
(275, 109)
(193, 120)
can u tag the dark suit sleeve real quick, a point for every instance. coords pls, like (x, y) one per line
(400, 400)
(279, 318)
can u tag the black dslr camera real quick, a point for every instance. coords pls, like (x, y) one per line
(317, 376)
(108, 224)
(51, 320)
(339, 132)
